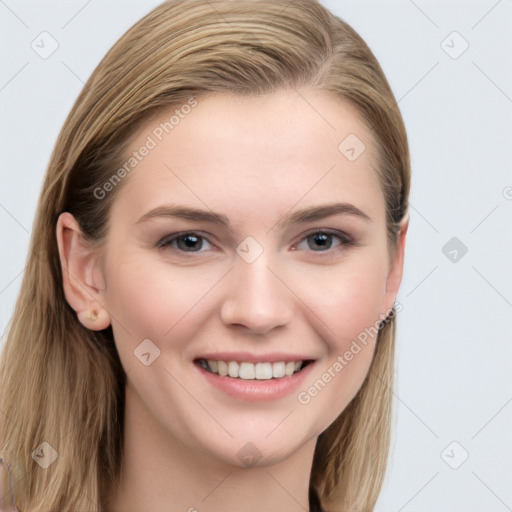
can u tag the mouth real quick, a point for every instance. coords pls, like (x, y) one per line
(246, 370)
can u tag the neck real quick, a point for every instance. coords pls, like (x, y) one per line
(159, 473)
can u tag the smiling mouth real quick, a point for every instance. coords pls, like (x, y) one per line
(252, 371)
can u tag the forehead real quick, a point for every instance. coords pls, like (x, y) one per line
(254, 154)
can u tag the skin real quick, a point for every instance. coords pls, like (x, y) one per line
(253, 160)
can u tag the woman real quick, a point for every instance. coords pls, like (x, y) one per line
(206, 320)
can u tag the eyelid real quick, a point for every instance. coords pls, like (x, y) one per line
(165, 241)
(343, 236)
(345, 239)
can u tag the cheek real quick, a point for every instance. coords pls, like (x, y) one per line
(149, 300)
(348, 298)
(345, 306)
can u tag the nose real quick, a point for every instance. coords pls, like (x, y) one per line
(256, 297)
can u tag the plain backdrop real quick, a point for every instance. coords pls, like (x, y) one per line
(449, 66)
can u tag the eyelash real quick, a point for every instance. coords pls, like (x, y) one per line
(344, 241)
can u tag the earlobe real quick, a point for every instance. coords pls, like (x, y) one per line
(395, 274)
(82, 278)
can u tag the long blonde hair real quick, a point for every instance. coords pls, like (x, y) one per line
(63, 384)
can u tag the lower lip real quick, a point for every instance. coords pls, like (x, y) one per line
(257, 390)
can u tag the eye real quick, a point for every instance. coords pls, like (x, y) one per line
(185, 242)
(322, 241)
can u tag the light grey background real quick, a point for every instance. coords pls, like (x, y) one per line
(454, 354)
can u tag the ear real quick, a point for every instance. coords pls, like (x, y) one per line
(396, 268)
(82, 276)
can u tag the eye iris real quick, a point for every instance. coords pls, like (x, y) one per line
(188, 242)
(322, 241)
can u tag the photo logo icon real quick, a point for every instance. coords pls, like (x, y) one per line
(454, 45)
(454, 249)
(455, 455)
(146, 352)
(44, 45)
(249, 455)
(45, 455)
(352, 147)
(249, 250)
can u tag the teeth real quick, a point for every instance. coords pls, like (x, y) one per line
(233, 369)
(278, 370)
(263, 371)
(246, 371)
(251, 371)
(222, 368)
(289, 368)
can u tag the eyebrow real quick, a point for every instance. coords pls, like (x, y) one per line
(298, 217)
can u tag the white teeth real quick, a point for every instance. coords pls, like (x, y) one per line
(289, 368)
(233, 369)
(222, 368)
(263, 371)
(250, 371)
(278, 370)
(246, 371)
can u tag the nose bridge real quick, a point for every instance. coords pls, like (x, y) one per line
(256, 298)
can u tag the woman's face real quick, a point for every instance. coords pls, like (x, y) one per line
(250, 230)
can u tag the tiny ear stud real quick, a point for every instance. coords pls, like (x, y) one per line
(94, 320)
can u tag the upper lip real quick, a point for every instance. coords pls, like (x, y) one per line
(273, 357)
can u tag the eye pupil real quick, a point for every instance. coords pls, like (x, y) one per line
(322, 241)
(189, 242)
